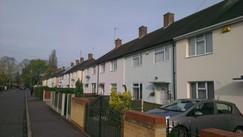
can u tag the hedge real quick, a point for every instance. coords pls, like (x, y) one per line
(38, 91)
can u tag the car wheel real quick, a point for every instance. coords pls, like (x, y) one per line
(239, 130)
(179, 132)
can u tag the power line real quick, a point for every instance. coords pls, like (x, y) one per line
(200, 5)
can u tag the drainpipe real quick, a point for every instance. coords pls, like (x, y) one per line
(173, 69)
(98, 77)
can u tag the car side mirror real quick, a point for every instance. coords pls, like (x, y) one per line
(198, 113)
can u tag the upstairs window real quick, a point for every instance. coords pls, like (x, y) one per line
(137, 60)
(93, 71)
(87, 71)
(200, 45)
(113, 65)
(161, 54)
(102, 68)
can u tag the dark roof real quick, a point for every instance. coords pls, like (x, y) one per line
(81, 66)
(215, 14)
(59, 73)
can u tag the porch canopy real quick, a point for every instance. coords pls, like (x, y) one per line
(159, 82)
(240, 79)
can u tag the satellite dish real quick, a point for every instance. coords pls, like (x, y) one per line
(87, 77)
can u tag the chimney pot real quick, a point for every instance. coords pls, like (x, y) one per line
(77, 62)
(118, 42)
(168, 19)
(142, 31)
(63, 68)
(81, 59)
(72, 64)
(90, 56)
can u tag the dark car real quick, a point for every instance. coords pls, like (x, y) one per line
(193, 115)
(22, 87)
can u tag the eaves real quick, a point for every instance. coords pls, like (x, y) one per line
(209, 28)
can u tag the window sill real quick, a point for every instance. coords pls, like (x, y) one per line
(199, 55)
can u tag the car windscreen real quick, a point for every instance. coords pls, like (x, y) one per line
(178, 105)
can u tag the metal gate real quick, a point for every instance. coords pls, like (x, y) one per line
(101, 121)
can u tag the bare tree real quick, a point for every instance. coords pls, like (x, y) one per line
(53, 60)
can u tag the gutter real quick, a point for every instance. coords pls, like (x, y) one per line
(98, 78)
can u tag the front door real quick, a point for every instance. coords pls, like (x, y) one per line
(161, 93)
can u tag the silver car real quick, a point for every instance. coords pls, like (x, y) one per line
(194, 115)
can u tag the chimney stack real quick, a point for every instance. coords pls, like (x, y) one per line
(168, 19)
(90, 56)
(142, 31)
(77, 62)
(72, 64)
(81, 60)
(118, 42)
(63, 68)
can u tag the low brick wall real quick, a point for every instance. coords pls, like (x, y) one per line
(78, 111)
(211, 132)
(138, 124)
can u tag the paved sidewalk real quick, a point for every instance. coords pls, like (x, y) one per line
(45, 122)
(12, 114)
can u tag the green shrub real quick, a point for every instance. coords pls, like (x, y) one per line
(38, 91)
(65, 90)
(120, 102)
(79, 89)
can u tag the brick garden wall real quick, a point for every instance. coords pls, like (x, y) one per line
(138, 124)
(78, 111)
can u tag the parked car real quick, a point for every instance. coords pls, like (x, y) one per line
(22, 87)
(195, 114)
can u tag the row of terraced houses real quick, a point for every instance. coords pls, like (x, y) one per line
(199, 56)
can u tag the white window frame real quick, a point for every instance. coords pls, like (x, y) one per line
(194, 45)
(138, 86)
(137, 57)
(93, 71)
(205, 88)
(164, 50)
(87, 71)
(93, 87)
(102, 68)
(113, 66)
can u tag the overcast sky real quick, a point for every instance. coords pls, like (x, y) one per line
(33, 28)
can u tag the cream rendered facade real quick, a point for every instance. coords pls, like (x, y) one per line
(90, 79)
(150, 81)
(108, 77)
(219, 67)
(66, 81)
(51, 82)
(74, 76)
